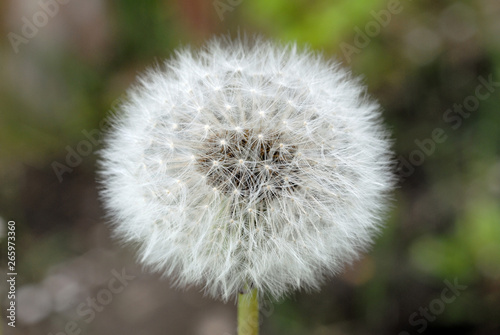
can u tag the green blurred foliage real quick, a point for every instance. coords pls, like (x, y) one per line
(317, 23)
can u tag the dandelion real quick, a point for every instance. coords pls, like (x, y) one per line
(247, 165)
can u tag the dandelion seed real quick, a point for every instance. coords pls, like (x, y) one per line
(263, 178)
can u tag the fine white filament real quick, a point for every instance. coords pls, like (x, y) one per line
(247, 163)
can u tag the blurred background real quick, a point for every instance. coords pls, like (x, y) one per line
(433, 65)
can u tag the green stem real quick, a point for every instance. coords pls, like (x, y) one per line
(248, 313)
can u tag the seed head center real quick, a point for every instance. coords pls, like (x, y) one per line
(249, 164)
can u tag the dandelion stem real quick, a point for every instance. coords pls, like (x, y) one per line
(248, 312)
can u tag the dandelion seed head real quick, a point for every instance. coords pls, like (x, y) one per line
(255, 185)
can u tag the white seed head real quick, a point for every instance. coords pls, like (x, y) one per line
(279, 202)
